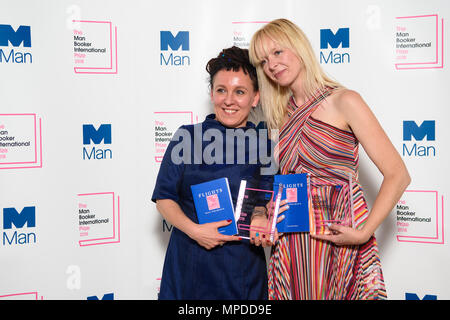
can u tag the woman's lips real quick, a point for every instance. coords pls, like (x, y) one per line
(278, 74)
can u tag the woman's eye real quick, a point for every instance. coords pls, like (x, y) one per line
(263, 63)
(240, 92)
(220, 90)
(278, 52)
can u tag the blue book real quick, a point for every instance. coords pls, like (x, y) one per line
(295, 189)
(212, 200)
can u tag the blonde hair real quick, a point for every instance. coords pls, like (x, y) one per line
(273, 97)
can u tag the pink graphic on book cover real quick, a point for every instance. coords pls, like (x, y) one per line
(291, 194)
(213, 202)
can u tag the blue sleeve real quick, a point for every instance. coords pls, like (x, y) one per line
(263, 179)
(266, 180)
(170, 174)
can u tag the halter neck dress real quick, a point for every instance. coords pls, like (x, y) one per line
(303, 268)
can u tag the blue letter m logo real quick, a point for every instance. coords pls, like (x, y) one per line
(426, 129)
(22, 35)
(106, 296)
(103, 133)
(180, 40)
(11, 216)
(327, 37)
(413, 296)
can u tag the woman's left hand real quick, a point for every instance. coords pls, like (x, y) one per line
(262, 238)
(261, 223)
(342, 235)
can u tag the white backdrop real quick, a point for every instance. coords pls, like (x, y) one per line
(91, 90)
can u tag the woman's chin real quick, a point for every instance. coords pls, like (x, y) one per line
(232, 123)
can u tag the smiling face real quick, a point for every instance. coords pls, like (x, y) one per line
(233, 97)
(281, 65)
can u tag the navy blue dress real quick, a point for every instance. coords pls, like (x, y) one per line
(236, 270)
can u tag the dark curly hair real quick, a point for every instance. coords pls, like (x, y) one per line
(233, 58)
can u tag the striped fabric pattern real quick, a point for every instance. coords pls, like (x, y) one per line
(300, 267)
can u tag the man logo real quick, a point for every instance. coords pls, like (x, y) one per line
(16, 38)
(12, 217)
(341, 37)
(426, 131)
(413, 296)
(181, 40)
(334, 40)
(96, 136)
(19, 38)
(106, 296)
(103, 133)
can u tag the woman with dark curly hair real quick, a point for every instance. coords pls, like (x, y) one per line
(201, 262)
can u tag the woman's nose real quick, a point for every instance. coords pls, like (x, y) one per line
(229, 98)
(271, 63)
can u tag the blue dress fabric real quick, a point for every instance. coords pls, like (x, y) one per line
(236, 270)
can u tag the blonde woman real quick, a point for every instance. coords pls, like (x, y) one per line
(321, 124)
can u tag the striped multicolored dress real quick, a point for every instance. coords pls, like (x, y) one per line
(303, 268)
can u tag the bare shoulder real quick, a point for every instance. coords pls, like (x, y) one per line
(343, 97)
(348, 102)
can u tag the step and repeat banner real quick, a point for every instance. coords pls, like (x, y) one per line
(92, 92)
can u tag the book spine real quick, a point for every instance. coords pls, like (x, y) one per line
(312, 222)
(240, 200)
(231, 205)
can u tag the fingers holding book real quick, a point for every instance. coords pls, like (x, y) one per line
(208, 236)
(260, 231)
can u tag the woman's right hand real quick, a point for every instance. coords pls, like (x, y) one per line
(208, 236)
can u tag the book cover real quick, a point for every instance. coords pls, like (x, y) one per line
(295, 190)
(213, 202)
